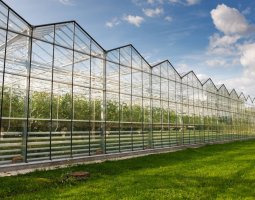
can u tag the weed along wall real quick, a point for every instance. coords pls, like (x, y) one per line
(63, 96)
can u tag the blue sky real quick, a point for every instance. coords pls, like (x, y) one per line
(213, 38)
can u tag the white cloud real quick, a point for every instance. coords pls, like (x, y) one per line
(248, 56)
(134, 20)
(185, 2)
(233, 47)
(153, 12)
(150, 1)
(246, 11)
(192, 2)
(216, 62)
(155, 1)
(222, 45)
(67, 2)
(230, 20)
(168, 18)
(226, 40)
(246, 81)
(114, 22)
(146, 2)
(174, 1)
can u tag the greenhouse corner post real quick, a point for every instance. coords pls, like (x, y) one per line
(131, 104)
(181, 117)
(150, 142)
(51, 92)
(168, 113)
(90, 130)
(26, 103)
(120, 104)
(203, 114)
(161, 107)
(72, 109)
(5, 55)
(103, 110)
(142, 102)
(217, 119)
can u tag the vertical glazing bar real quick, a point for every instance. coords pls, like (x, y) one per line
(29, 62)
(213, 115)
(150, 142)
(103, 109)
(203, 113)
(217, 116)
(120, 106)
(142, 103)
(239, 117)
(161, 107)
(188, 113)
(220, 117)
(90, 109)
(181, 117)
(193, 111)
(52, 97)
(209, 114)
(175, 101)
(178, 98)
(176, 113)
(131, 104)
(3, 77)
(168, 108)
(231, 117)
(72, 106)
(214, 122)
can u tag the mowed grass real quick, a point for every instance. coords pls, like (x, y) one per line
(223, 171)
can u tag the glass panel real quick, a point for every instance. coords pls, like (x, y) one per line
(42, 58)
(3, 15)
(81, 103)
(112, 122)
(96, 51)
(113, 56)
(2, 48)
(82, 41)
(81, 73)
(97, 73)
(39, 125)
(63, 64)
(17, 24)
(45, 33)
(64, 34)
(17, 58)
(13, 131)
(112, 77)
(125, 80)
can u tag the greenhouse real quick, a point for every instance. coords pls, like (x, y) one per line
(64, 96)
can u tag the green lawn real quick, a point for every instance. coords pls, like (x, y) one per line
(211, 172)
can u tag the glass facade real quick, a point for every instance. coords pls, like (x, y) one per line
(63, 96)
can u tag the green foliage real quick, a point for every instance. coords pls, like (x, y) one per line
(112, 110)
(13, 103)
(65, 107)
(156, 115)
(83, 109)
(40, 105)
